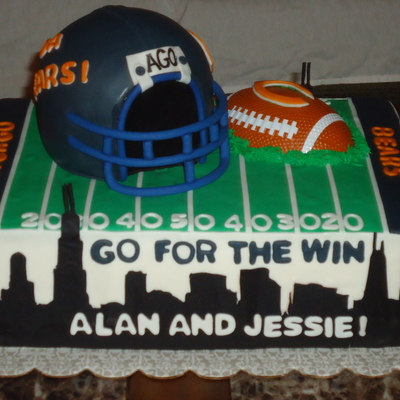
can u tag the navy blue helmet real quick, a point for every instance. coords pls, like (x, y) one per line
(124, 90)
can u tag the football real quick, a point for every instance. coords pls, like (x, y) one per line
(286, 115)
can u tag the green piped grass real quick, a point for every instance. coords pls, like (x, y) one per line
(354, 155)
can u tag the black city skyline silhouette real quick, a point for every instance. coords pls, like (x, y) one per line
(25, 323)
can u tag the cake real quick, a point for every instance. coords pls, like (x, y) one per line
(262, 253)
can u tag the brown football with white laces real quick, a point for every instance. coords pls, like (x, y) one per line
(286, 115)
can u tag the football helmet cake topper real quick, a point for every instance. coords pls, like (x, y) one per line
(124, 90)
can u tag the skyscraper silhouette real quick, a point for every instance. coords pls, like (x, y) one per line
(259, 293)
(20, 294)
(69, 275)
(376, 288)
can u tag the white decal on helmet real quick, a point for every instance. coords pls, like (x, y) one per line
(143, 66)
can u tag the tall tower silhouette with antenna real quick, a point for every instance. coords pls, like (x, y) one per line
(69, 275)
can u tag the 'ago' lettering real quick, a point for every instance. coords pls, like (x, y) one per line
(163, 59)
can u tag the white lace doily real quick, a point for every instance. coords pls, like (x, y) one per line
(63, 362)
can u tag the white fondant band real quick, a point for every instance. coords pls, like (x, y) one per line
(293, 198)
(47, 195)
(335, 196)
(88, 204)
(245, 194)
(138, 203)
